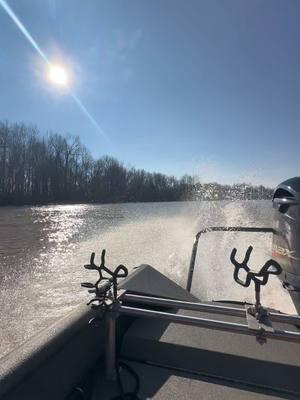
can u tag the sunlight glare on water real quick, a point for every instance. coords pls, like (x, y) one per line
(43, 250)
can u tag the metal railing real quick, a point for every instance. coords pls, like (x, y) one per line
(233, 327)
(118, 308)
(290, 336)
(206, 307)
(217, 229)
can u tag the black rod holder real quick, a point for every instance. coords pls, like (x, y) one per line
(217, 229)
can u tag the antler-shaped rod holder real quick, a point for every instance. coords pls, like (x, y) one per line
(271, 267)
(106, 297)
(105, 284)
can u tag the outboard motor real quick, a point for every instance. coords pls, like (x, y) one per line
(286, 238)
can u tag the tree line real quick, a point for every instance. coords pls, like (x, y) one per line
(55, 168)
(37, 169)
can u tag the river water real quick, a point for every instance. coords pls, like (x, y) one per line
(43, 250)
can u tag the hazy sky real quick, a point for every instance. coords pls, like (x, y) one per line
(203, 87)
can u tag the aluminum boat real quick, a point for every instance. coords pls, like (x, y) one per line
(142, 336)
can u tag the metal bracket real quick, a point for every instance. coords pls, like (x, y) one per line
(259, 321)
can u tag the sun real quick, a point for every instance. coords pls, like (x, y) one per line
(58, 75)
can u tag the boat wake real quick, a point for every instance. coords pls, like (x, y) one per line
(48, 284)
(213, 277)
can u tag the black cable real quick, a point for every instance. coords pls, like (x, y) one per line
(85, 389)
(133, 395)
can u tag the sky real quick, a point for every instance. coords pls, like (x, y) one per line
(204, 87)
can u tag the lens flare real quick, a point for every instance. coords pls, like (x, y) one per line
(57, 74)
(22, 28)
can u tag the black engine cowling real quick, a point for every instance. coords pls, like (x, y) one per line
(286, 238)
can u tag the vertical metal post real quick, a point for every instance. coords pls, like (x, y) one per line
(257, 296)
(110, 348)
(192, 263)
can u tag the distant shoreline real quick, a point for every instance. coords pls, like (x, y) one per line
(128, 202)
(56, 169)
